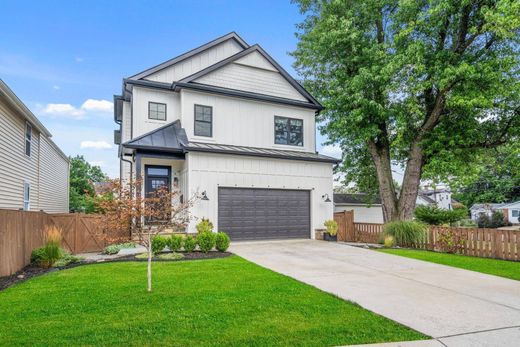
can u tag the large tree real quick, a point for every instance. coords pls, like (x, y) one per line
(425, 85)
(82, 179)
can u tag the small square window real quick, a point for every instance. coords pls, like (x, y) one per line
(156, 111)
(203, 121)
(515, 213)
(288, 131)
(28, 139)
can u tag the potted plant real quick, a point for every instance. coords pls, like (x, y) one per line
(332, 230)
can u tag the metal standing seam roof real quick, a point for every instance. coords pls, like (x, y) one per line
(172, 138)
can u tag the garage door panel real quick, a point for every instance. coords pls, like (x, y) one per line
(255, 214)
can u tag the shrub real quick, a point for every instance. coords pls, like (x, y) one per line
(332, 227)
(466, 223)
(222, 241)
(496, 220)
(449, 242)
(204, 225)
(114, 249)
(436, 216)
(406, 233)
(51, 252)
(171, 256)
(158, 244)
(67, 259)
(389, 241)
(206, 241)
(190, 243)
(175, 243)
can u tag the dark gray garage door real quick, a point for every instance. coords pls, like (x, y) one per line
(261, 214)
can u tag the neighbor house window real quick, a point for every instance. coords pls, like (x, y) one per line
(26, 196)
(288, 131)
(203, 121)
(28, 138)
(515, 213)
(156, 111)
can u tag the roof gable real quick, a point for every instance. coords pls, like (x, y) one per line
(232, 39)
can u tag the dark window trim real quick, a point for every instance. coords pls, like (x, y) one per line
(28, 126)
(288, 120)
(165, 111)
(195, 120)
(147, 176)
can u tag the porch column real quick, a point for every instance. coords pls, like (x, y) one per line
(138, 173)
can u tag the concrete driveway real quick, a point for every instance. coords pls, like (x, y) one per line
(456, 307)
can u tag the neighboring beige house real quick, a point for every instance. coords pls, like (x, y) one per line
(35, 172)
(227, 121)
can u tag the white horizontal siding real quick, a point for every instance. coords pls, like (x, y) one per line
(251, 79)
(196, 63)
(54, 179)
(209, 171)
(16, 166)
(243, 122)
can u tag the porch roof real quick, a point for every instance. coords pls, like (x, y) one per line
(168, 138)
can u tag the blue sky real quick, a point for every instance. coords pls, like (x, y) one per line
(66, 59)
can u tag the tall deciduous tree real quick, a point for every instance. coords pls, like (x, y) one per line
(82, 179)
(421, 84)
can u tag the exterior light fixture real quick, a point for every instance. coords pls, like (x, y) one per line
(204, 196)
(325, 197)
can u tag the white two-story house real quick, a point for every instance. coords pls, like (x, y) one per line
(227, 122)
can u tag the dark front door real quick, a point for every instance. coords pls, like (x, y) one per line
(262, 214)
(156, 177)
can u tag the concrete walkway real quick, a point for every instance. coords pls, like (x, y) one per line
(456, 307)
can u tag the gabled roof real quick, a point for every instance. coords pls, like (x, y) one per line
(356, 198)
(231, 36)
(169, 138)
(260, 50)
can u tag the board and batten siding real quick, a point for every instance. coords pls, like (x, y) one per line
(17, 167)
(243, 122)
(196, 63)
(207, 172)
(54, 178)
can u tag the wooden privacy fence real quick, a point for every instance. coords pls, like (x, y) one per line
(22, 231)
(478, 242)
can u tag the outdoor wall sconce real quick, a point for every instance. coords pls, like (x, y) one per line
(325, 197)
(204, 196)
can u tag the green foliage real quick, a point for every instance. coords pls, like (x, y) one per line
(496, 220)
(222, 241)
(412, 79)
(175, 243)
(67, 259)
(204, 225)
(437, 216)
(449, 242)
(406, 233)
(171, 256)
(190, 243)
(114, 249)
(142, 256)
(81, 181)
(389, 241)
(47, 255)
(465, 223)
(158, 244)
(206, 241)
(332, 227)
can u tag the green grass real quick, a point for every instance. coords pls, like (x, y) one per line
(502, 268)
(226, 301)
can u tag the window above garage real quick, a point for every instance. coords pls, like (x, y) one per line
(288, 131)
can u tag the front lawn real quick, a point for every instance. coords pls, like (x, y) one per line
(226, 301)
(502, 268)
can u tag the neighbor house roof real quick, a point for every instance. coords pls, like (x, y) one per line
(487, 206)
(356, 198)
(172, 138)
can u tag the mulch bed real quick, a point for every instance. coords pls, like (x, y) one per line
(31, 271)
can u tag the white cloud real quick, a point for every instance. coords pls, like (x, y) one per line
(55, 87)
(90, 106)
(332, 151)
(97, 163)
(95, 144)
(97, 105)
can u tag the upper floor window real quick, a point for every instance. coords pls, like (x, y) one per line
(203, 121)
(28, 138)
(156, 111)
(26, 196)
(288, 131)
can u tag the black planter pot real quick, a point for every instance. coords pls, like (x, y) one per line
(329, 237)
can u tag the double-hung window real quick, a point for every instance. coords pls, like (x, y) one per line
(203, 121)
(156, 111)
(515, 213)
(288, 131)
(28, 138)
(26, 196)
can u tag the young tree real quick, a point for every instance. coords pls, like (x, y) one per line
(426, 85)
(82, 179)
(145, 215)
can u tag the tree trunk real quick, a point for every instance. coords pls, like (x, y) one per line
(411, 182)
(381, 159)
(149, 262)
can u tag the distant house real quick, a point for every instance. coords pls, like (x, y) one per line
(511, 210)
(35, 172)
(368, 210)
